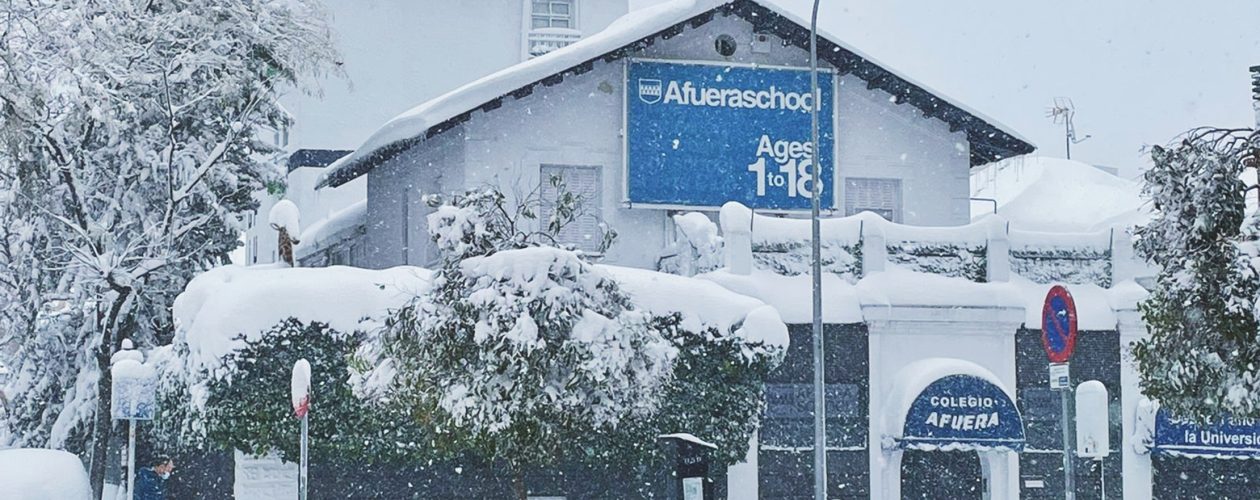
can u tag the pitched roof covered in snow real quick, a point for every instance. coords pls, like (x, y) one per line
(990, 140)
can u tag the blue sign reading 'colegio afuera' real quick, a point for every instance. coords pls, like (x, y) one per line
(704, 134)
(963, 410)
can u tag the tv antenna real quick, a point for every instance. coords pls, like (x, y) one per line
(1062, 112)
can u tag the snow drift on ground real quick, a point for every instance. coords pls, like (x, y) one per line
(36, 474)
(1039, 193)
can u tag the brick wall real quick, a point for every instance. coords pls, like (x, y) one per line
(1097, 357)
(786, 438)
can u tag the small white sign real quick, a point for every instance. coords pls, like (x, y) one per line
(693, 488)
(1060, 376)
(1034, 483)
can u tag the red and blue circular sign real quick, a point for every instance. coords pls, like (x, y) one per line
(1058, 325)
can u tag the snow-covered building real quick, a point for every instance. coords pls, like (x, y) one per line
(905, 151)
(508, 31)
(937, 384)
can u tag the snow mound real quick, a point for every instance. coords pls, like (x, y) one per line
(903, 287)
(792, 296)
(1038, 193)
(700, 302)
(226, 302)
(30, 473)
(285, 215)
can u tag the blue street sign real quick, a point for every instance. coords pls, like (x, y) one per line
(702, 135)
(963, 410)
(1058, 325)
(1226, 437)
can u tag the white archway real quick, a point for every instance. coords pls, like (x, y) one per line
(978, 414)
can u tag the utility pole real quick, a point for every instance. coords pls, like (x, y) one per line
(820, 394)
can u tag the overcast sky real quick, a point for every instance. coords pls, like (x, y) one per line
(1138, 71)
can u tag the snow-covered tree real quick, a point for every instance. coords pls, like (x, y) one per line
(530, 355)
(514, 351)
(128, 154)
(1202, 355)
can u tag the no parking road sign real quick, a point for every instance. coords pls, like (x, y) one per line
(1058, 337)
(1058, 325)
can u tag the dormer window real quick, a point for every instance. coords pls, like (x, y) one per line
(553, 14)
(552, 24)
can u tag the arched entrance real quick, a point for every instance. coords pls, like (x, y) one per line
(951, 430)
(942, 474)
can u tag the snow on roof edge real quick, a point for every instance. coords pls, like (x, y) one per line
(407, 127)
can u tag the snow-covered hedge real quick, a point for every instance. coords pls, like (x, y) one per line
(1074, 258)
(532, 354)
(247, 408)
(781, 245)
(957, 260)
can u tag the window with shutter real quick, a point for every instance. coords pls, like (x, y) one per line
(882, 196)
(583, 233)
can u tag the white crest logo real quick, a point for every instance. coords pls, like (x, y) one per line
(650, 90)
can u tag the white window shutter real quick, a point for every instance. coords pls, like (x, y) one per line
(583, 233)
(882, 196)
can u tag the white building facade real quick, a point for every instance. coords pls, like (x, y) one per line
(923, 309)
(485, 36)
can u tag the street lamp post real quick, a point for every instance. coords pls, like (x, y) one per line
(820, 394)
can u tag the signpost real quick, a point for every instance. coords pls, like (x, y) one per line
(300, 396)
(133, 396)
(963, 410)
(1058, 337)
(703, 134)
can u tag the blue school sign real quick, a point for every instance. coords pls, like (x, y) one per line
(963, 410)
(702, 135)
(1227, 437)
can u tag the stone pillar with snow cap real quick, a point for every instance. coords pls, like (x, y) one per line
(736, 220)
(998, 253)
(285, 218)
(874, 246)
